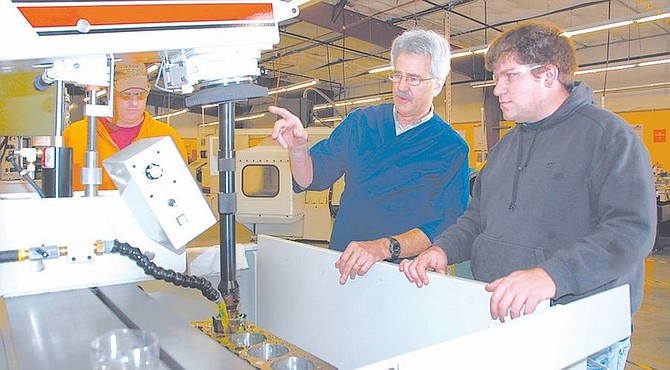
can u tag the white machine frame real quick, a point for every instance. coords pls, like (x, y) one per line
(381, 321)
(75, 223)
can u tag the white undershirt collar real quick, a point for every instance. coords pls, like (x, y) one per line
(399, 129)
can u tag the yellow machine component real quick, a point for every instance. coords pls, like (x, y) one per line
(23, 255)
(21, 103)
(262, 349)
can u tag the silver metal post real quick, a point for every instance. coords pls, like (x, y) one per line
(91, 175)
(227, 204)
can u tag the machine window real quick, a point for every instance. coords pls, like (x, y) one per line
(260, 181)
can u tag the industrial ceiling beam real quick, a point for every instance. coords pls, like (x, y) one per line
(352, 24)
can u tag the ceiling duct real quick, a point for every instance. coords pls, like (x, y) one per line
(376, 32)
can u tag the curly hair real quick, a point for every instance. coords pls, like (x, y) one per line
(535, 43)
(425, 42)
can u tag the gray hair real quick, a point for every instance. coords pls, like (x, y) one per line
(425, 42)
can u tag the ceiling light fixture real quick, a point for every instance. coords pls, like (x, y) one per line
(249, 117)
(477, 85)
(152, 68)
(294, 87)
(344, 103)
(605, 69)
(647, 17)
(237, 119)
(654, 62)
(602, 27)
(330, 119)
(620, 22)
(652, 86)
(172, 114)
(381, 69)
(481, 84)
(624, 66)
(654, 17)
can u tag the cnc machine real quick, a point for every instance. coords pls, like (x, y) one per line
(88, 244)
(266, 203)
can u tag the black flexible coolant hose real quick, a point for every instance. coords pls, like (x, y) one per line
(160, 273)
(9, 256)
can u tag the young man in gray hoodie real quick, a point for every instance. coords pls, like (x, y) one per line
(565, 206)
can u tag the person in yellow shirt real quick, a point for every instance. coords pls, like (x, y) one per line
(130, 123)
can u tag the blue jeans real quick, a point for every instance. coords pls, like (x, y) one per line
(610, 358)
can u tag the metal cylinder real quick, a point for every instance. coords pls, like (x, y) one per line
(57, 172)
(91, 174)
(227, 190)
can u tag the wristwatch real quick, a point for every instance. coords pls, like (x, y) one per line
(394, 248)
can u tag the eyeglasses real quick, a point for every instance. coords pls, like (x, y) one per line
(130, 95)
(412, 80)
(509, 75)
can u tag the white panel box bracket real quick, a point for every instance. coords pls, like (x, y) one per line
(158, 187)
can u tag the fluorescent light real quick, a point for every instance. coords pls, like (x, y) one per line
(294, 87)
(359, 101)
(605, 69)
(458, 54)
(381, 69)
(625, 66)
(349, 102)
(588, 71)
(653, 18)
(597, 28)
(237, 119)
(567, 33)
(653, 63)
(249, 117)
(648, 17)
(656, 85)
(329, 119)
(478, 85)
(98, 94)
(172, 114)
(455, 54)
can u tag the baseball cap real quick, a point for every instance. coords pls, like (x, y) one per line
(131, 75)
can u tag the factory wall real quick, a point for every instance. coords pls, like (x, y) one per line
(653, 127)
(467, 131)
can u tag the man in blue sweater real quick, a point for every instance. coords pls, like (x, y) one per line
(565, 207)
(405, 169)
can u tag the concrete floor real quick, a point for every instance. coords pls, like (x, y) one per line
(651, 336)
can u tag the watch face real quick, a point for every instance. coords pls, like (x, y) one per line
(395, 248)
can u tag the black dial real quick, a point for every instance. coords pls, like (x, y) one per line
(153, 171)
(394, 248)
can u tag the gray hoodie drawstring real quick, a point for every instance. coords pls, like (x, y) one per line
(520, 167)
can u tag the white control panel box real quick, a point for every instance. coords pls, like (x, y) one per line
(158, 187)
